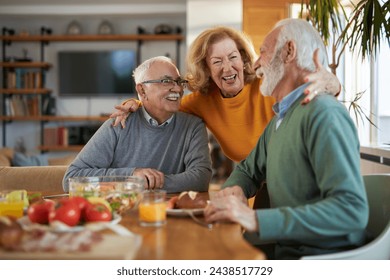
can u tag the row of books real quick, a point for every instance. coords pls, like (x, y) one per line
(23, 78)
(56, 136)
(23, 105)
(29, 105)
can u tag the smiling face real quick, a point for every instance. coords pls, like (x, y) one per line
(226, 67)
(161, 100)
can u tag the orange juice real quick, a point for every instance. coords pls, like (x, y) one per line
(152, 209)
(14, 208)
(12, 202)
(152, 212)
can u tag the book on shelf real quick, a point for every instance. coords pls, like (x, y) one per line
(55, 136)
(22, 78)
(23, 105)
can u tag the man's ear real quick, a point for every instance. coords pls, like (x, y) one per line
(290, 51)
(140, 90)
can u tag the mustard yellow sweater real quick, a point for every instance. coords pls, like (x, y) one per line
(236, 122)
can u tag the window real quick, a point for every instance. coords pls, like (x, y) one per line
(367, 77)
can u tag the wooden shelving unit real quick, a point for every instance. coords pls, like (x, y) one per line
(25, 91)
(44, 41)
(54, 118)
(86, 37)
(70, 148)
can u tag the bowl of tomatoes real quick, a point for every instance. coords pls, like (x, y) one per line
(122, 193)
(67, 214)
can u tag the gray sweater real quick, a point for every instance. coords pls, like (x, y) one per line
(179, 150)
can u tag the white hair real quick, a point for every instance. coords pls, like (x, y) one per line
(139, 73)
(307, 40)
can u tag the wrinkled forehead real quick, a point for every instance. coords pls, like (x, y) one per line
(162, 69)
(225, 44)
(271, 40)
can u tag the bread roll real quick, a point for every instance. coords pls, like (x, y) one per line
(11, 233)
(190, 200)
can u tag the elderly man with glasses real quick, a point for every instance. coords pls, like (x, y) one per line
(169, 149)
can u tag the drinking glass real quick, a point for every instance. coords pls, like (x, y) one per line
(12, 203)
(153, 208)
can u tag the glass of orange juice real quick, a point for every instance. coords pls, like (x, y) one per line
(12, 203)
(152, 210)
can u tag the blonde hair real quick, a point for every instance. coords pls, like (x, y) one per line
(198, 73)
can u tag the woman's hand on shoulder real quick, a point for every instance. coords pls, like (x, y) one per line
(321, 82)
(123, 111)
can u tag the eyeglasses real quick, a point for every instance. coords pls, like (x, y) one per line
(169, 82)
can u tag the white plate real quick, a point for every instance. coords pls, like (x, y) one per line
(61, 227)
(184, 212)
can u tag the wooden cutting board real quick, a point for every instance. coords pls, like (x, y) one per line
(112, 247)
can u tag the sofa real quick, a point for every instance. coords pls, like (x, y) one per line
(45, 179)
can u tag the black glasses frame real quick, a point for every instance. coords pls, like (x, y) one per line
(166, 81)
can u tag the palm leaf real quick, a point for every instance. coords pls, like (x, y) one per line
(368, 26)
(324, 14)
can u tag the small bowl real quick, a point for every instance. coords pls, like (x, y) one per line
(123, 193)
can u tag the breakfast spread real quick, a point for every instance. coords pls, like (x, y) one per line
(188, 200)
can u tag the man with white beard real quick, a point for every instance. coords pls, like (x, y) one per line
(309, 156)
(169, 149)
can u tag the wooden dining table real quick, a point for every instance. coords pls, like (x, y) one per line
(181, 238)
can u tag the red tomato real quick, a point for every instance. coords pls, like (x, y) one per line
(98, 213)
(66, 211)
(80, 201)
(38, 212)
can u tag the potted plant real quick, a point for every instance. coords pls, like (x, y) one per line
(362, 30)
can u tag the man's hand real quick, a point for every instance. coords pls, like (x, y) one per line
(154, 179)
(123, 111)
(234, 190)
(322, 81)
(231, 208)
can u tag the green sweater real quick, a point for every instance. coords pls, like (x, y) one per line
(312, 167)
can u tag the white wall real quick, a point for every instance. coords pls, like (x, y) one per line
(202, 14)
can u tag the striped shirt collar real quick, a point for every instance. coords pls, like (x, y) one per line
(154, 122)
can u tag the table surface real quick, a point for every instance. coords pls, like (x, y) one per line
(183, 239)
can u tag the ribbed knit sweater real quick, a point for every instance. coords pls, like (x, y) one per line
(179, 150)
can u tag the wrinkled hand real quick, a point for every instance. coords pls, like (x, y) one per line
(153, 178)
(322, 82)
(231, 208)
(234, 190)
(123, 111)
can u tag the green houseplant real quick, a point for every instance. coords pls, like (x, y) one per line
(362, 30)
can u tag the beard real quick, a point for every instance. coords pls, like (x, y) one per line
(271, 75)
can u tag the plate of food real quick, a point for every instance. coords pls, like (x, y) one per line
(186, 203)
